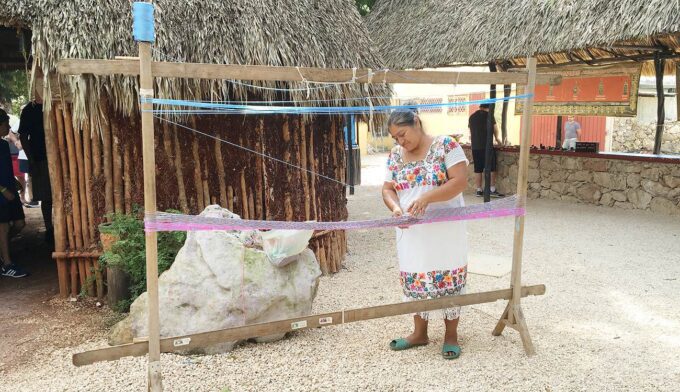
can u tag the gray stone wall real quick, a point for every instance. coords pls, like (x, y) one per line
(629, 135)
(606, 182)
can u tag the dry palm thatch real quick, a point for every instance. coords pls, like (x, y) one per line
(432, 33)
(312, 33)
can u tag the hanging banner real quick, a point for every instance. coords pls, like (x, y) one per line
(610, 90)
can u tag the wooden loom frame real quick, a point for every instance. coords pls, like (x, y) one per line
(147, 69)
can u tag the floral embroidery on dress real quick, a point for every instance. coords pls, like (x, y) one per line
(412, 174)
(433, 284)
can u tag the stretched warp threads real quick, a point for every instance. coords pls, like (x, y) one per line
(162, 221)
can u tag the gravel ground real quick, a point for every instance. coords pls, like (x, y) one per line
(610, 319)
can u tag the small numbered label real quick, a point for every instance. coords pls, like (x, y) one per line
(298, 324)
(181, 342)
(325, 320)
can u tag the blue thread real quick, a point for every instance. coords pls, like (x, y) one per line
(142, 22)
(213, 108)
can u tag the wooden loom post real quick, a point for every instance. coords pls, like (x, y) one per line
(149, 162)
(513, 316)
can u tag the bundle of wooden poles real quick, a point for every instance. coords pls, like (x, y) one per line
(96, 169)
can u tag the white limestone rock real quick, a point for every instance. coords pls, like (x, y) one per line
(218, 282)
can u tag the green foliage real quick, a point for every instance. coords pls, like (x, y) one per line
(13, 90)
(129, 252)
(364, 6)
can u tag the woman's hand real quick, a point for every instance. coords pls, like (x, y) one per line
(418, 206)
(396, 213)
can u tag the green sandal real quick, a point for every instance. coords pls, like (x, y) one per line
(403, 344)
(454, 349)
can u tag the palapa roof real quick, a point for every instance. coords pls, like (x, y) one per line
(311, 33)
(434, 33)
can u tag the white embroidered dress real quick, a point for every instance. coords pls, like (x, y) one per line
(432, 257)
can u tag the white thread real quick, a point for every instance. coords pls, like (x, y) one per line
(354, 74)
(303, 80)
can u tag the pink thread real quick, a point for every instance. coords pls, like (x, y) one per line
(179, 222)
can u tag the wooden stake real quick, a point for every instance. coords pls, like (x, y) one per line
(244, 196)
(205, 339)
(118, 187)
(259, 168)
(312, 178)
(108, 156)
(265, 177)
(179, 169)
(219, 161)
(99, 277)
(87, 160)
(198, 181)
(54, 167)
(303, 163)
(96, 148)
(230, 198)
(127, 179)
(149, 159)
(85, 232)
(513, 316)
(73, 177)
(90, 283)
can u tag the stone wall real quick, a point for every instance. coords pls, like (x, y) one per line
(629, 135)
(606, 182)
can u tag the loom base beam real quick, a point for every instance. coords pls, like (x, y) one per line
(204, 339)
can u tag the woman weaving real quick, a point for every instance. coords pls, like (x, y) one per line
(426, 172)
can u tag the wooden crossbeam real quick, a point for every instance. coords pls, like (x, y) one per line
(295, 74)
(204, 339)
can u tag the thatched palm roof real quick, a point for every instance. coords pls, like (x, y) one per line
(432, 33)
(314, 33)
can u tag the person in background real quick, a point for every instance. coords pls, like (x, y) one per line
(15, 152)
(477, 124)
(32, 135)
(572, 133)
(11, 210)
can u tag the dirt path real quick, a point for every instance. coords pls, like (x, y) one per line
(33, 321)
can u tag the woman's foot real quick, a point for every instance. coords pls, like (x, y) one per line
(451, 347)
(408, 342)
(417, 339)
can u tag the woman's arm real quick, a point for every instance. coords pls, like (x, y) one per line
(391, 199)
(456, 184)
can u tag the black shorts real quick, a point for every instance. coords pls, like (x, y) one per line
(40, 180)
(11, 211)
(479, 158)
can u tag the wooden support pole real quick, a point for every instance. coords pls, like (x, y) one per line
(513, 313)
(677, 91)
(294, 74)
(149, 162)
(659, 67)
(205, 339)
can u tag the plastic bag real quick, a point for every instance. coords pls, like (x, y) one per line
(282, 246)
